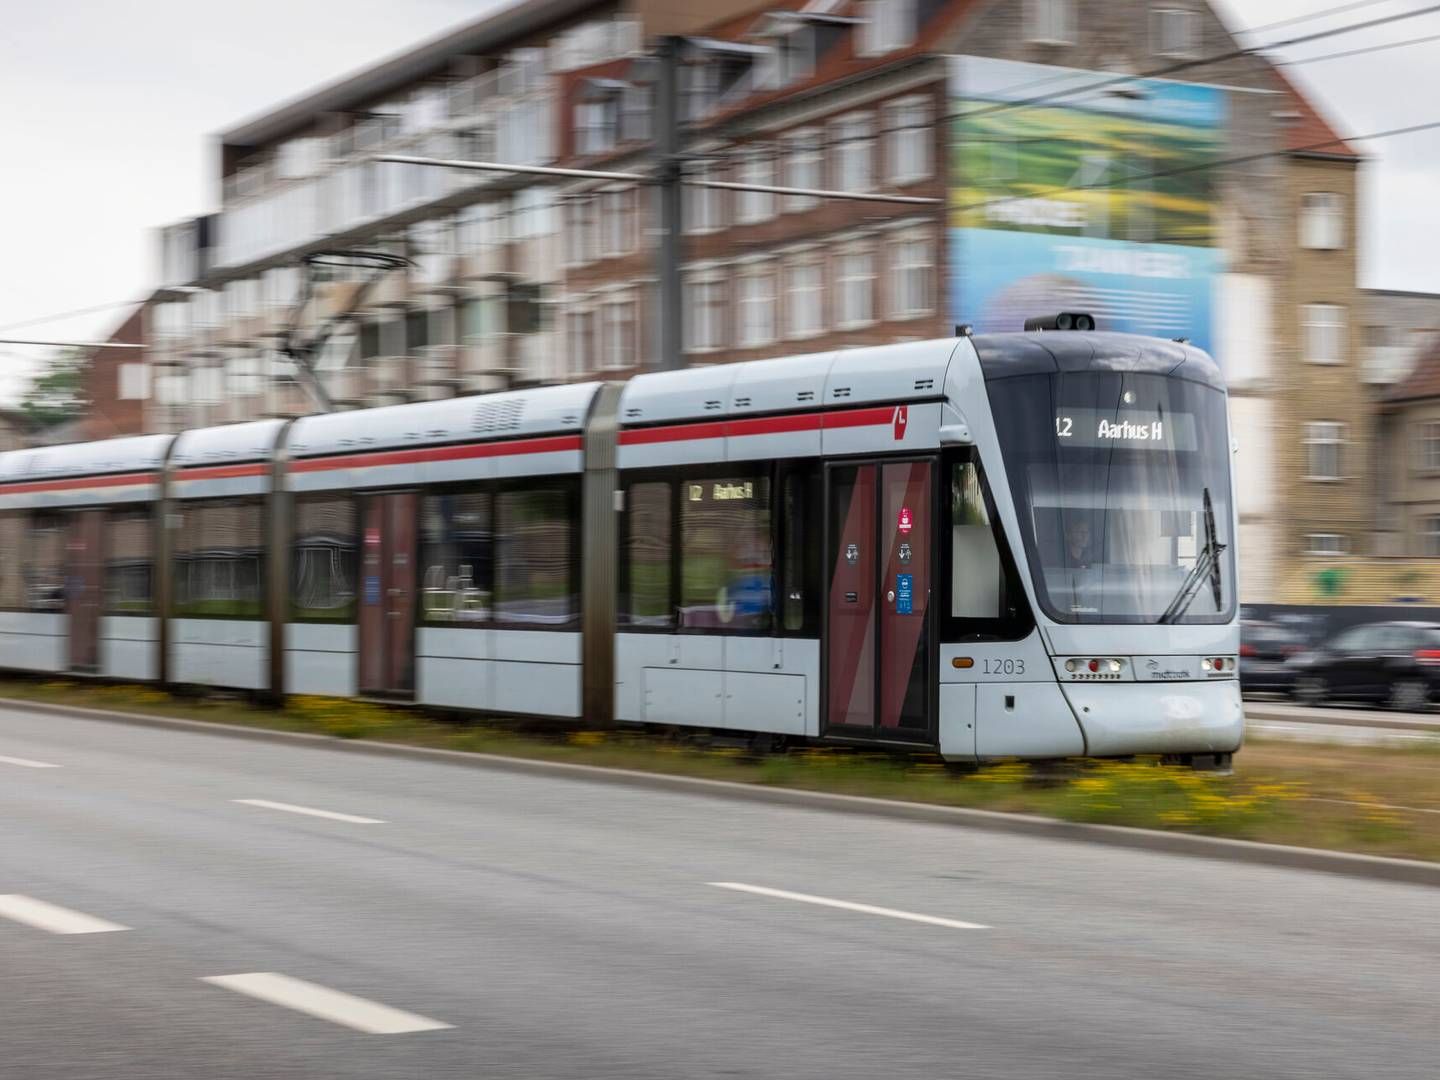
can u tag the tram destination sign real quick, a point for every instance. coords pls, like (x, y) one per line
(1132, 430)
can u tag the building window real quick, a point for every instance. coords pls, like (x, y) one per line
(701, 88)
(908, 140)
(1430, 535)
(855, 286)
(704, 311)
(617, 221)
(1322, 220)
(582, 240)
(804, 294)
(579, 340)
(323, 571)
(618, 344)
(597, 125)
(1175, 32)
(1323, 327)
(1324, 440)
(887, 25)
(912, 278)
(134, 382)
(1325, 544)
(853, 149)
(802, 168)
(704, 208)
(756, 305)
(1427, 445)
(757, 166)
(1050, 22)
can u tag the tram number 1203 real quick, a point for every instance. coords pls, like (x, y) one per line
(1003, 667)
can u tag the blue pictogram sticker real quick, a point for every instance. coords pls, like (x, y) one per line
(904, 593)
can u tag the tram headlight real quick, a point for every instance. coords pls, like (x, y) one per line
(1072, 666)
(1206, 664)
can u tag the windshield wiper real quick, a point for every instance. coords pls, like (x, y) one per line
(1208, 561)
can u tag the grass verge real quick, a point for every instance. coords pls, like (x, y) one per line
(1375, 800)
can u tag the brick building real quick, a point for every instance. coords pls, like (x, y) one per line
(519, 279)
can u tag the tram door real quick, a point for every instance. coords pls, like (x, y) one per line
(84, 585)
(387, 594)
(881, 537)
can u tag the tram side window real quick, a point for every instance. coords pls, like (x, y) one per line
(12, 552)
(727, 564)
(323, 559)
(648, 545)
(44, 563)
(456, 550)
(129, 561)
(220, 559)
(537, 575)
(800, 560)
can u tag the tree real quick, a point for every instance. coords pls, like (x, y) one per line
(58, 392)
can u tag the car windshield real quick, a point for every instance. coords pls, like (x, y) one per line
(1110, 472)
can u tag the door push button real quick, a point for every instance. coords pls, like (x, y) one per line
(890, 596)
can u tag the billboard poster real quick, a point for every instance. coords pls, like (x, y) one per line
(1096, 200)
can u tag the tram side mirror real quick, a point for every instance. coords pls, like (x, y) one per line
(1065, 320)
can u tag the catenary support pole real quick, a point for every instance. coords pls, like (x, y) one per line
(667, 180)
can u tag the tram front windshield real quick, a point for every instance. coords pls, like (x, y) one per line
(1111, 474)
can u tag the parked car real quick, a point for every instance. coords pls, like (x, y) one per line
(1264, 649)
(1397, 663)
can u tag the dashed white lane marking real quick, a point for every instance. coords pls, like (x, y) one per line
(846, 905)
(26, 763)
(57, 920)
(320, 1001)
(311, 811)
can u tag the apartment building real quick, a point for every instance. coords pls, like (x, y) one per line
(518, 279)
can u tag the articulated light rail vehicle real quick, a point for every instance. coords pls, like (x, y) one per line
(996, 545)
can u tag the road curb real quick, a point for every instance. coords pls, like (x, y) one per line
(1295, 858)
(1380, 723)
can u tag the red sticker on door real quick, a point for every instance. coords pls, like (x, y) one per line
(906, 522)
(902, 417)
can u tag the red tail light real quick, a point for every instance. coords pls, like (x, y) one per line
(1247, 650)
(1430, 657)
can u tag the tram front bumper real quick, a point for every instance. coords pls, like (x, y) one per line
(1158, 718)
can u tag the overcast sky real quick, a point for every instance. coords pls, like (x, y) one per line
(108, 111)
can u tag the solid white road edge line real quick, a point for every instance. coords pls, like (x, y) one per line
(326, 1004)
(846, 905)
(26, 763)
(311, 811)
(57, 920)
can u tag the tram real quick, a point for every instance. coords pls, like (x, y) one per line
(998, 545)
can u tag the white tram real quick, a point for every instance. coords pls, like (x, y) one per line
(1000, 545)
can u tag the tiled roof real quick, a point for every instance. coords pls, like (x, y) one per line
(1311, 132)
(1424, 378)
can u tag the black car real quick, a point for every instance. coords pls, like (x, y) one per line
(1265, 648)
(1397, 663)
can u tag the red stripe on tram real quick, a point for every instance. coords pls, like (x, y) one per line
(25, 487)
(546, 445)
(760, 425)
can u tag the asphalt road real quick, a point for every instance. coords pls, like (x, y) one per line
(569, 929)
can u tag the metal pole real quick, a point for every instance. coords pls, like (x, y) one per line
(670, 353)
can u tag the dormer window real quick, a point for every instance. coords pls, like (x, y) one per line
(700, 88)
(888, 25)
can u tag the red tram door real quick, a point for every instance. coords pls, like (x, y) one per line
(84, 586)
(881, 536)
(387, 595)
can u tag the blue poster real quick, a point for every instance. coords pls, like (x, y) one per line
(904, 594)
